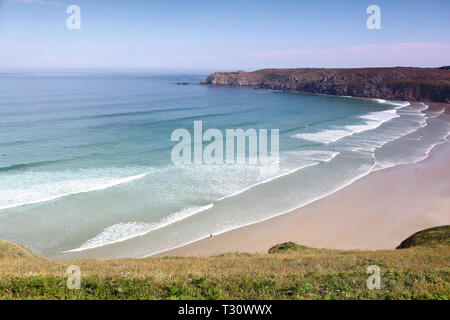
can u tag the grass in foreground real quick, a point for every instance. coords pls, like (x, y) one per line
(290, 272)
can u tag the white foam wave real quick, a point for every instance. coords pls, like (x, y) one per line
(400, 105)
(424, 107)
(371, 121)
(434, 114)
(35, 187)
(299, 160)
(342, 186)
(421, 154)
(323, 136)
(124, 231)
(397, 104)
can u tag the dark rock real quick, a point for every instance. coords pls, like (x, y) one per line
(411, 84)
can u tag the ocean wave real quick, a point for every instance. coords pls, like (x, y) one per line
(382, 101)
(124, 231)
(397, 104)
(371, 121)
(421, 152)
(22, 166)
(424, 106)
(35, 187)
(313, 124)
(435, 113)
(401, 104)
(313, 155)
(322, 196)
(298, 160)
(130, 113)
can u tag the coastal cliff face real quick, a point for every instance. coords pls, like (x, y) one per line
(409, 84)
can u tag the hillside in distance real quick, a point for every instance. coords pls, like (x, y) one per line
(399, 83)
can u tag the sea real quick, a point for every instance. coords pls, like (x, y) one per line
(86, 168)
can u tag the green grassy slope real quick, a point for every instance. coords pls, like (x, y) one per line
(14, 250)
(421, 271)
(430, 237)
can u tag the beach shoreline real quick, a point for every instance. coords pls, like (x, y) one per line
(335, 220)
(376, 212)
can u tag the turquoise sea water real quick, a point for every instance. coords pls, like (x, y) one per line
(85, 167)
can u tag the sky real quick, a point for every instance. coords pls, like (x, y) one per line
(223, 35)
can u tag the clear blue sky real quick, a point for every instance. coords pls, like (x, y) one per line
(223, 35)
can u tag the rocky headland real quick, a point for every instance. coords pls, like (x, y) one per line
(399, 83)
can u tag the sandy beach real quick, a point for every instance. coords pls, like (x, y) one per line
(376, 212)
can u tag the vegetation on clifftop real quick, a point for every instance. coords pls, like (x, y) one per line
(410, 84)
(421, 271)
(14, 250)
(430, 237)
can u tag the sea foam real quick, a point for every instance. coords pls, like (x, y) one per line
(27, 188)
(125, 231)
(370, 121)
(297, 161)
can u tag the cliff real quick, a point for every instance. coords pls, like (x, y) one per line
(411, 84)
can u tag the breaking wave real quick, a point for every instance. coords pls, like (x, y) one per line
(125, 231)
